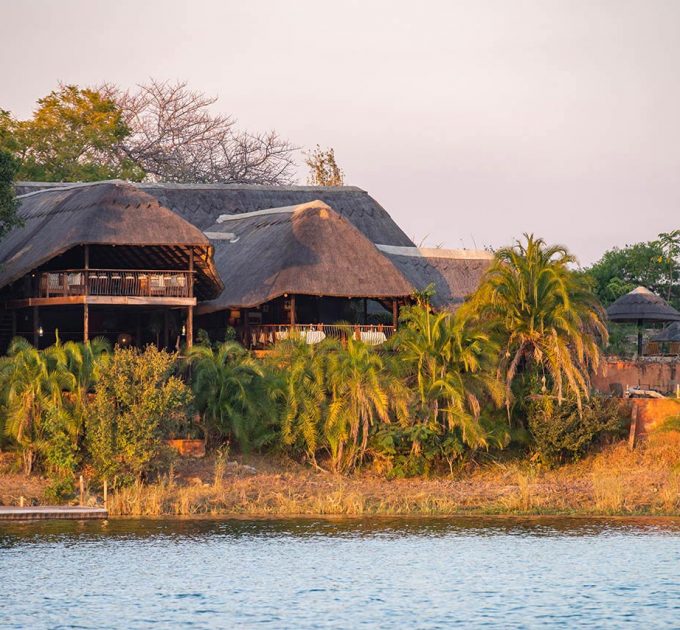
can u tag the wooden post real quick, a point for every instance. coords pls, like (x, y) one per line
(292, 310)
(639, 323)
(86, 256)
(190, 326)
(106, 494)
(191, 272)
(632, 434)
(21, 501)
(86, 322)
(82, 490)
(395, 314)
(247, 341)
(36, 337)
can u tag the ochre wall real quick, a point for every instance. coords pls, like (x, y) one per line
(660, 375)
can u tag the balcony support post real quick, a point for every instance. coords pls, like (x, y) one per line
(395, 314)
(292, 310)
(190, 326)
(86, 322)
(86, 279)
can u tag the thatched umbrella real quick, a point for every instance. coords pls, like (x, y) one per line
(641, 305)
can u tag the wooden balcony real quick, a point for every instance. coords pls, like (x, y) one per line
(110, 286)
(261, 336)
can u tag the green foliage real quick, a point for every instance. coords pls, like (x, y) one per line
(136, 396)
(8, 205)
(563, 432)
(334, 396)
(75, 135)
(35, 417)
(233, 394)
(653, 264)
(544, 316)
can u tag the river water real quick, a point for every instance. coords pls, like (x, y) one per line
(389, 573)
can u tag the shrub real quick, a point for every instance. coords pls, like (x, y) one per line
(561, 433)
(137, 396)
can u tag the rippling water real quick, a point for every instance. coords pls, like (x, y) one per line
(391, 573)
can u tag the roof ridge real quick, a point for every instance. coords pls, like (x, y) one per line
(430, 252)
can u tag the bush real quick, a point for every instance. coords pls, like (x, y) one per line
(137, 398)
(562, 433)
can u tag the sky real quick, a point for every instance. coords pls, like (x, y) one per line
(471, 122)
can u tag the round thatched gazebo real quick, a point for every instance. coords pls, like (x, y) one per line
(641, 305)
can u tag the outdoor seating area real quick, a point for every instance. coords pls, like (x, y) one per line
(263, 335)
(111, 282)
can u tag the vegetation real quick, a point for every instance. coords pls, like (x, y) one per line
(323, 169)
(429, 401)
(160, 131)
(654, 264)
(548, 323)
(565, 433)
(134, 397)
(8, 205)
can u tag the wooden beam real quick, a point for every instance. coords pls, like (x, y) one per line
(395, 313)
(292, 310)
(124, 300)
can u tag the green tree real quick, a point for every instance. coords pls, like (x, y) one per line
(363, 394)
(74, 135)
(8, 205)
(32, 389)
(621, 270)
(232, 394)
(449, 365)
(136, 396)
(546, 318)
(670, 245)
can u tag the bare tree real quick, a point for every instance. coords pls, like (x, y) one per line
(323, 169)
(176, 138)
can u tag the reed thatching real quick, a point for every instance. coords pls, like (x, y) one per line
(642, 304)
(455, 274)
(109, 213)
(202, 204)
(306, 249)
(670, 334)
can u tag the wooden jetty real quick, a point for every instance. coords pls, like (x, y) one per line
(44, 512)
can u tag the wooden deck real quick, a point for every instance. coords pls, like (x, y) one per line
(44, 512)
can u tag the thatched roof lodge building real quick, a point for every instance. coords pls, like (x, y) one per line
(141, 263)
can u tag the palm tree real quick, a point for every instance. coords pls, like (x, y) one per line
(544, 315)
(362, 393)
(448, 363)
(84, 361)
(32, 388)
(302, 369)
(230, 391)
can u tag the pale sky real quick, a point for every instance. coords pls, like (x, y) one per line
(469, 121)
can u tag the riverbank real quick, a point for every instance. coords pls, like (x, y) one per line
(615, 481)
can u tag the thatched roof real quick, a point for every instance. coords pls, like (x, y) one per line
(455, 273)
(307, 249)
(669, 334)
(202, 204)
(642, 304)
(109, 213)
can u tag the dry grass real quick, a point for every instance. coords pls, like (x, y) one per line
(614, 481)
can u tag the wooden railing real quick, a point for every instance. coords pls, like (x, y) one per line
(263, 335)
(113, 282)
